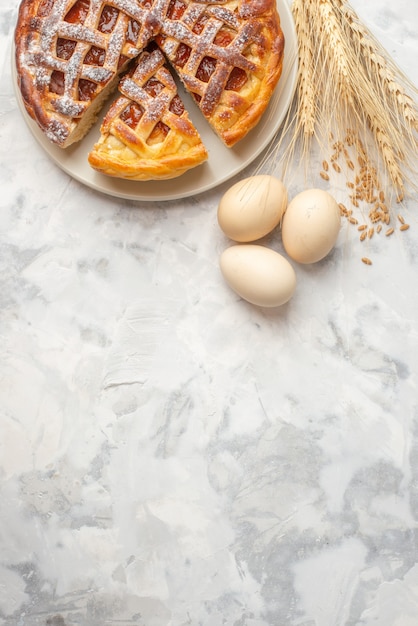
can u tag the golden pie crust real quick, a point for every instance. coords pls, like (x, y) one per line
(147, 133)
(72, 54)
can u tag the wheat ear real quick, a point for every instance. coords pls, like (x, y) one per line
(388, 77)
(306, 92)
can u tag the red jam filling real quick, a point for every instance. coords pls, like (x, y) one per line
(95, 56)
(176, 9)
(132, 114)
(86, 89)
(107, 19)
(206, 68)
(223, 38)
(132, 31)
(78, 12)
(65, 48)
(176, 106)
(182, 55)
(200, 24)
(159, 133)
(56, 83)
(153, 86)
(236, 80)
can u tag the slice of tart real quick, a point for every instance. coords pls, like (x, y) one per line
(147, 133)
(229, 55)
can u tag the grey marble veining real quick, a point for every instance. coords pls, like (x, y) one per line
(172, 456)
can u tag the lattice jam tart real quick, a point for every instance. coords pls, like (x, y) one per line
(72, 54)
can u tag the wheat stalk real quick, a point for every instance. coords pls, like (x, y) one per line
(345, 80)
(390, 158)
(388, 110)
(306, 90)
(305, 102)
(389, 79)
(333, 46)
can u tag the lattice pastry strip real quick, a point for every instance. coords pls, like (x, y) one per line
(147, 126)
(205, 59)
(209, 82)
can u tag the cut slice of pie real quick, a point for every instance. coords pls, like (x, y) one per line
(147, 133)
(229, 55)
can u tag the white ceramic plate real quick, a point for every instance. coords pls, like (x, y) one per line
(223, 163)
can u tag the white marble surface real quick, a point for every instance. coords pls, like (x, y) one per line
(172, 456)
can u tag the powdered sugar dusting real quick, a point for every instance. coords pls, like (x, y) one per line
(66, 106)
(156, 106)
(40, 59)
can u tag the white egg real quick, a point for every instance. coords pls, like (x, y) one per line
(310, 226)
(258, 274)
(252, 208)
